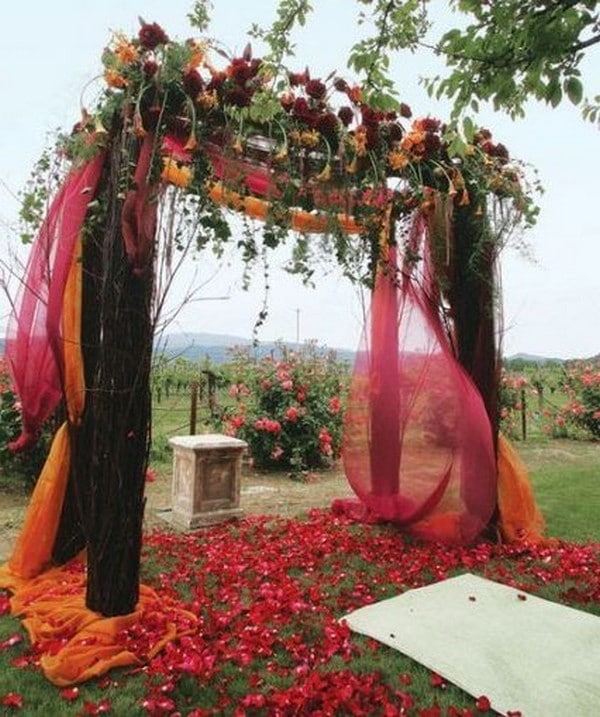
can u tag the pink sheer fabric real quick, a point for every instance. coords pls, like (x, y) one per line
(139, 215)
(33, 340)
(418, 446)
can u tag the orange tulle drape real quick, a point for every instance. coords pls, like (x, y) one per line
(300, 220)
(51, 600)
(521, 519)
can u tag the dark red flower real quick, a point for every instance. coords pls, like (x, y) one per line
(405, 110)
(151, 35)
(429, 124)
(327, 124)
(341, 85)
(370, 117)
(240, 71)
(216, 81)
(316, 89)
(298, 78)
(482, 135)
(346, 115)
(193, 83)
(238, 96)
(394, 132)
(372, 137)
(149, 68)
(432, 142)
(301, 108)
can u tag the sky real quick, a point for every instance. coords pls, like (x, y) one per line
(51, 59)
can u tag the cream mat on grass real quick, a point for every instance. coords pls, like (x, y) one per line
(522, 652)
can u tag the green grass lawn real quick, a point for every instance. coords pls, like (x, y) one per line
(269, 592)
(566, 479)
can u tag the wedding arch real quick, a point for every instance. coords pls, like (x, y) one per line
(412, 208)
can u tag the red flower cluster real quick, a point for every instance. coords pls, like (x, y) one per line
(267, 424)
(151, 35)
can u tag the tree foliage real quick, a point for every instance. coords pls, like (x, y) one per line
(515, 50)
(503, 52)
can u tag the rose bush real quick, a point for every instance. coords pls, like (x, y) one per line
(582, 384)
(510, 402)
(21, 468)
(288, 409)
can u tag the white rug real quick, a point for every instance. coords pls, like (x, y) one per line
(522, 652)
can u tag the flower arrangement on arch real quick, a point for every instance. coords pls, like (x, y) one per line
(305, 141)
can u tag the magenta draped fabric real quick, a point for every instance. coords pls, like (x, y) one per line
(33, 340)
(140, 210)
(418, 446)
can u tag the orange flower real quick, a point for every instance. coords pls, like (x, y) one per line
(359, 141)
(115, 79)
(198, 53)
(125, 50)
(175, 173)
(207, 100)
(310, 139)
(355, 94)
(397, 159)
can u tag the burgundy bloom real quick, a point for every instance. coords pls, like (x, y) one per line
(327, 124)
(301, 108)
(149, 68)
(240, 71)
(217, 80)
(238, 96)
(501, 152)
(405, 110)
(370, 118)
(316, 89)
(429, 124)
(394, 131)
(341, 85)
(372, 136)
(151, 35)
(346, 115)
(482, 135)
(193, 83)
(432, 142)
(298, 78)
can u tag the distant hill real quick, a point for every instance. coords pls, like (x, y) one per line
(532, 358)
(217, 347)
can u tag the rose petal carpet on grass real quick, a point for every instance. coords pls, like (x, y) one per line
(487, 638)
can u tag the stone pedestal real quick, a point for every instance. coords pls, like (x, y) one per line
(206, 479)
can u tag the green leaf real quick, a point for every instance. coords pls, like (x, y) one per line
(574, 89)
(468, 129)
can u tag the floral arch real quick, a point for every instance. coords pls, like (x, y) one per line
(413, 209)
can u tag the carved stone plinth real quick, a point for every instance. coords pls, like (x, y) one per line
(206, 479)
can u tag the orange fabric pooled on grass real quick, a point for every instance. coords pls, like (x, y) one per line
(78, 644)
(520, 517)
